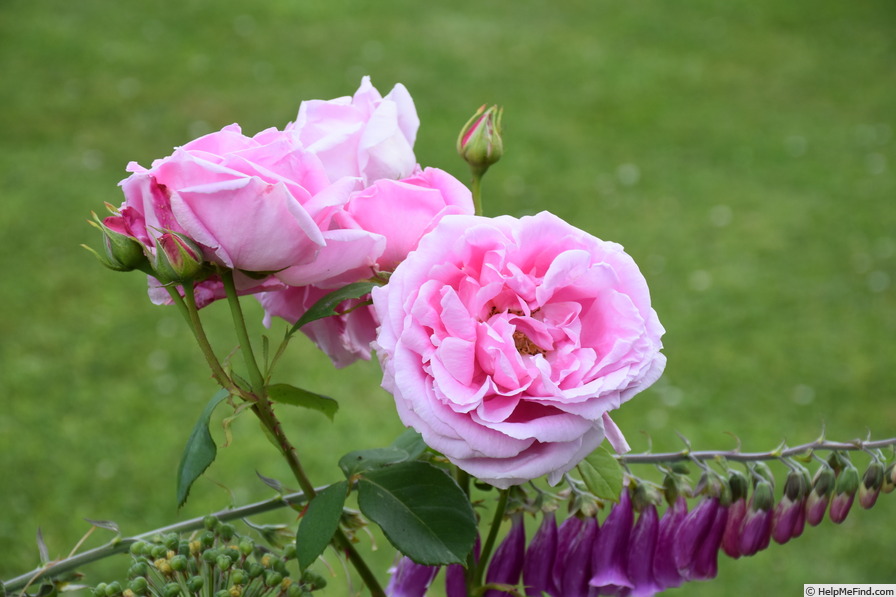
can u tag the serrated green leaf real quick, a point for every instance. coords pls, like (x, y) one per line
(361, 461)
(421, 510)
(602, 475)
(319, 523)
(411, 442)
(326, 306)
(287, 394)
(200, 450)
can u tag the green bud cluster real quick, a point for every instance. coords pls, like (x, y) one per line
(216, 561)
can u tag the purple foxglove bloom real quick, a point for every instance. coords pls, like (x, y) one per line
(706, 562)
(844, 494)
(756, 530)
(641, 549)
(691, 533)
(731, 536)
(664, 569)
(507, 563)
(822, 488)
(572, 568)
(538, 563)
(787, 515)
(456, 576)
(609, 561)
(872, 481)
(410, 579)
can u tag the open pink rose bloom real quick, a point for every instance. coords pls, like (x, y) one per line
(506, 342)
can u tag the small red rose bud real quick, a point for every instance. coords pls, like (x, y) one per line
(178, 259)
(479, 142)
(817, 502)
(844, 493)
(872, 481)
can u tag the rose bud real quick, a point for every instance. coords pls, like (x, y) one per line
(507, 563)
(178, 259)
(641, 550)
(479, 142)
(538, 562)
(410, 579)
(609, 558)
(755, 532)
(706, 561)
(123, 252)
(822, 487)
(844, 493)
(692, 532)
(790, 511)
(872, 481)
(572, 568)
(664, 569)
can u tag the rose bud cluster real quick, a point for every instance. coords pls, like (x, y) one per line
(217, 563)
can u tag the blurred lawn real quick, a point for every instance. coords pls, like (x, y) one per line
(742, 151)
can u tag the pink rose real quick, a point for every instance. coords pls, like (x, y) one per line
(506, 342)
(255, 204)
(367, 136)
(404, 210)
(343, 338)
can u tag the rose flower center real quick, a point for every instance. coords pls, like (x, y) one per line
(524, 345)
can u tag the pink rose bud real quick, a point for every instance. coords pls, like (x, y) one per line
(844, 493)
(817, 502)
(872, 481)
(479, 142)
(664, 569)
(177, 259)
(410, 579)
(123, 252)
(610, 557)
(756, 530)
(539, 560)
(506, 565)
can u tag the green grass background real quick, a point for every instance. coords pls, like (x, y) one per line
(742, 151)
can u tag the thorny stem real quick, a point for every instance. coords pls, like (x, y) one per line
(738, 456)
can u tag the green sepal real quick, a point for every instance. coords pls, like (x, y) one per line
(200, 450)
(319, 523)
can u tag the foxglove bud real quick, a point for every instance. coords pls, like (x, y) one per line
(889, 483)
(706, 561)
(731, 536)
(756, 530)
(609, 560)
(122, 252)
(538, 563)
(872, 481)
(641, 549)
(479, 142)
(822, 487)
(572, 568)
(178, 259)
(506, 565)
(790, 511)
(692, 532)
(664, 569)
(410, 579)
(844, 493)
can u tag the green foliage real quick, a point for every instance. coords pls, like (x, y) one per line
(287, 394)
(200, 451)
(602, 475)
(320, 522)
(326, 306)
(422, 511)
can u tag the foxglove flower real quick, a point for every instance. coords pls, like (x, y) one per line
(609, 563)
(705, 566)
(665, 570)
(691, 533)
(410, 579)
(506, 565)
(790, 512)
(822, 488)
(756, 529)
(844, 493)
(739, 486)
(538, 563)
(641, 550)
(872, 481)
(572, 568)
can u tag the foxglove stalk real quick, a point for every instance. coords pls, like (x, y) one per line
(609, 562)
(664, 569)
(410, 579)
(641, 549)
(506, 565)
(538, 562)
